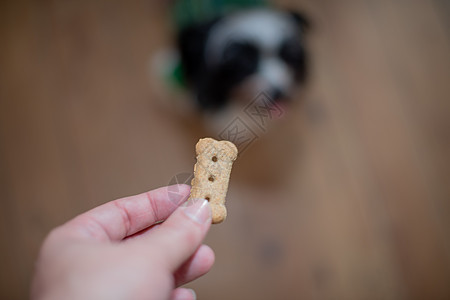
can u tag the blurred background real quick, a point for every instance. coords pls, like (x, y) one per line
(351, 200)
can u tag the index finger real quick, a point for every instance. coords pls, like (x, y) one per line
(115, 220)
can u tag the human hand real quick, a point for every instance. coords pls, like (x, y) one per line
(119, 250)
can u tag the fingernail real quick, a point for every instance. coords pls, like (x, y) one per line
(193, 293)
(198, 210)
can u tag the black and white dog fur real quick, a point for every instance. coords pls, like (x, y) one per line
(228, 61)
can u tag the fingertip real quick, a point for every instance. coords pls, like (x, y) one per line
(208, 257)
(183, 294)
(178, 193)
(182, 188)
(198, 265)
(198, 210)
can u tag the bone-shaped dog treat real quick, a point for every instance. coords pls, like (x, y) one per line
(212, 174)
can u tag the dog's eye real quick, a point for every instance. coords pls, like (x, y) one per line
(241, 55)
(292, 53)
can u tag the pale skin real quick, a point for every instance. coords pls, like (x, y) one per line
(122, 250)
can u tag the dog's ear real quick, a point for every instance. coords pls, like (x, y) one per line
(191, 42)
(212, 91)
(301, 20)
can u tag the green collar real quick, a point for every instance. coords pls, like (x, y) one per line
(188, 12)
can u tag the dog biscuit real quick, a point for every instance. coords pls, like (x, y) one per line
(212, 174)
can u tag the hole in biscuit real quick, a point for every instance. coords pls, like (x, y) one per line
(214, 158)
(211, 178)
(207, 198)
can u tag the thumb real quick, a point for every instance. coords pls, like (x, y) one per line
(182, 233)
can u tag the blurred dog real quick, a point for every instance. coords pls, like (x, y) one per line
(234, 57)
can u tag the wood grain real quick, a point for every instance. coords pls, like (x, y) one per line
(362, 210)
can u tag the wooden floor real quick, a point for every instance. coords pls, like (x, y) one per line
(362, 210)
